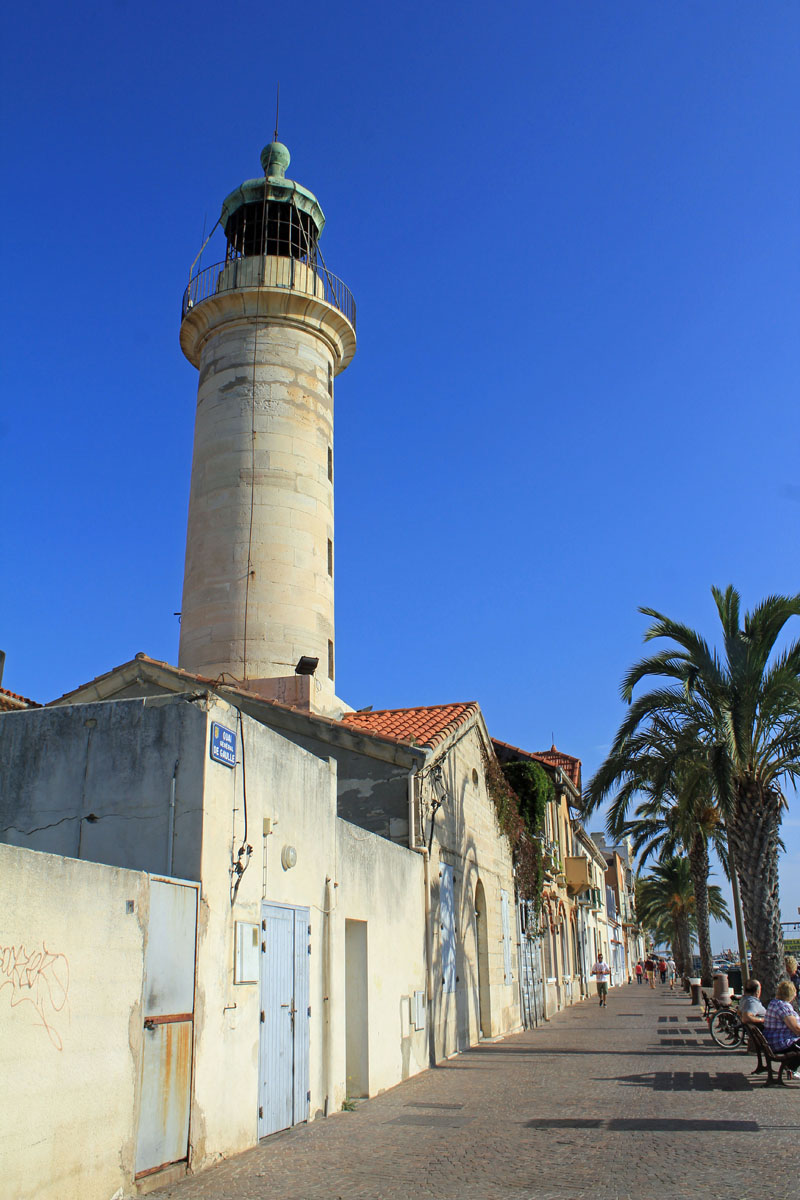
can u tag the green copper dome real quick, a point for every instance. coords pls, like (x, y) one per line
(275, 158)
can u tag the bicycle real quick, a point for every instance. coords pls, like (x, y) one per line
(727, 1029)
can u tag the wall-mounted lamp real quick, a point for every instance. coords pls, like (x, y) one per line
(306, 665)
(288, 857)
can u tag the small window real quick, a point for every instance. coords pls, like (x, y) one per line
(330, 660)
(330, 380)
(330, 557)
(330, 463)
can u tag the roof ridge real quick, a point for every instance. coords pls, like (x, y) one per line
(415, 708)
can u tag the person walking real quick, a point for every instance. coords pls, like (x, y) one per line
(601, 972)
(650, 971)
(639, 971)
(672, 971)
(662, 969)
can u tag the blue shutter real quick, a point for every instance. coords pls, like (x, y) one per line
(302, 959)
(508, 977)
(448, 928)
(277, 993)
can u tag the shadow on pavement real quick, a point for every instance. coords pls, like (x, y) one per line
(687, 1081)
(645, 1124)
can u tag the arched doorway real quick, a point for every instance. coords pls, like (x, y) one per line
(484, 1003)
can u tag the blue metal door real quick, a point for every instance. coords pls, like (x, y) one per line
(283, 1047)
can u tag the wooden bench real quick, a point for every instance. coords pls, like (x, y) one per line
(789, 1060)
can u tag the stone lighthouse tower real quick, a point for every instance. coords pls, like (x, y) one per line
(269, 328)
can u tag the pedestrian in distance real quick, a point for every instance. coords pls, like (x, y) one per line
(672, 971)
(601, 972)
(650, 971)
(639, 971)
(662, 969)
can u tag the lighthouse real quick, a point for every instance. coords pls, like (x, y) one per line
(269, 329)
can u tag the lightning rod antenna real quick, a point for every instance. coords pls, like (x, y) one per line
(277, 110)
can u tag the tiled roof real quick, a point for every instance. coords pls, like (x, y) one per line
(569, 765)
(10, 701)
(421, 726)
(550, 758)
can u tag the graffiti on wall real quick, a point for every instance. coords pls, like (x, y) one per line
(39, 978)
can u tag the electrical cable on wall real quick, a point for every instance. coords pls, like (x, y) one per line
(245, 852)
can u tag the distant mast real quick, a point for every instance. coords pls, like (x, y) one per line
(269, 329)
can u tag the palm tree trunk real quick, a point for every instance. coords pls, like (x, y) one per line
(677, 954)
(698, 862)
(754, 833)
(683, 938)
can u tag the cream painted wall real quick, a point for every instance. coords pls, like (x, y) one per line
(341, 872)
(382, 884)
(71, 968)
(297, 791)
(468, 838)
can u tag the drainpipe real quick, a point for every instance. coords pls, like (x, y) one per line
(426, 871)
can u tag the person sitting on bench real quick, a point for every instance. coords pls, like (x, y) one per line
(751, 1010)
(781, 1024)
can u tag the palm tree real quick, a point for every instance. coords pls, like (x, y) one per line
(743, 708)
(676, 812)
(688, 825)
(665, 904)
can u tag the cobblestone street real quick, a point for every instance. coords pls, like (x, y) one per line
(630, 1101)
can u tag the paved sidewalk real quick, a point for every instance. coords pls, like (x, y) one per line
(630, 1102)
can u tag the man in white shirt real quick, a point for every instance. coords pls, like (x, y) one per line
(601, 972)
(751, 1010)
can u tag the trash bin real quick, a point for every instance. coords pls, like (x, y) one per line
(735, 979)
(694, 984)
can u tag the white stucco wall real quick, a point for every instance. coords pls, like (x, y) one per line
(71, 966)
(297, 791)
(342, 872)
(382, 885)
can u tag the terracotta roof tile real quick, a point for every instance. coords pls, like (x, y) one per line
(420, 726)
(551, 758)
(11, 701)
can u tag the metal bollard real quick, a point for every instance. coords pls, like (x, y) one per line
(695, 986)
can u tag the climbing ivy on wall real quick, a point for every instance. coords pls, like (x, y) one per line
(534, 789)
(520, 792)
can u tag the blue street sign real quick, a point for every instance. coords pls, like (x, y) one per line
(223, 745)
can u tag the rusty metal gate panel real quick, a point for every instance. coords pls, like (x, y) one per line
(163, 1135)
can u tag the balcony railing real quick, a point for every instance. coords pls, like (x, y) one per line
(270, 271)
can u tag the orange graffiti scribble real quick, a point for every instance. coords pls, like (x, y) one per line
(39, 978)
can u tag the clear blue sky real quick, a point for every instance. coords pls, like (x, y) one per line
(572, 234)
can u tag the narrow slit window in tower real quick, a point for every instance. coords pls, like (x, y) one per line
(330, 463)
(330, 380)
(330, 557)
(330, 660)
